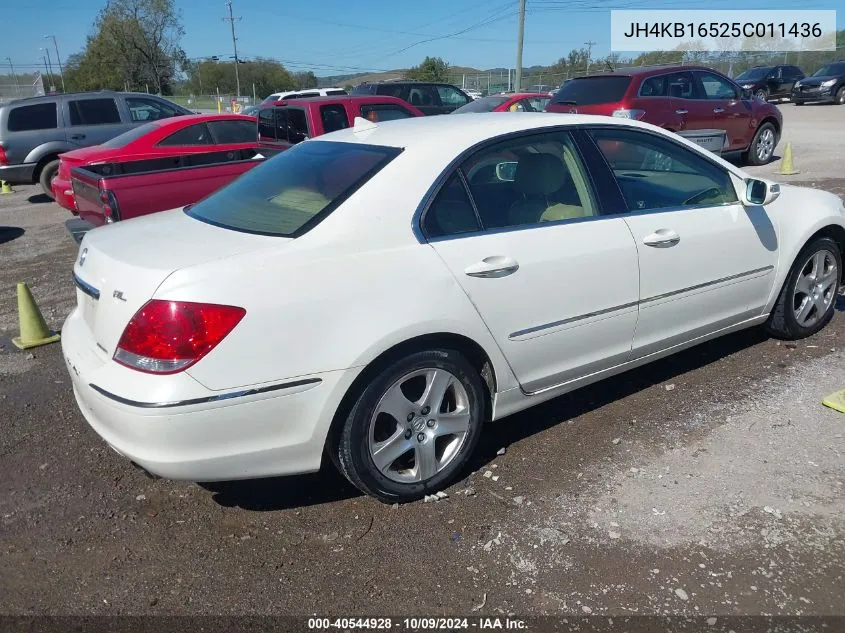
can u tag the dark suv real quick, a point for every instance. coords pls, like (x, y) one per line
(770, 82)
(429, 98)
(33, 132)
(684, 99)
(826, 85)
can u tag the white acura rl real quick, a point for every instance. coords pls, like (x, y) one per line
(376, 295)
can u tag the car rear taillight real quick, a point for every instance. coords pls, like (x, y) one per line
(111, 212)
(165, 337)
(3, 159)
(629, 114)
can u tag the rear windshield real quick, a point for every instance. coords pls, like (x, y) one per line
(292, 192)
(485, 104)
(592, 90)
(122, 140)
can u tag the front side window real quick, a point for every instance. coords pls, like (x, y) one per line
(292, 192)
(93, 112)
(717, 88)
(539, 103)
(40, 116)
(297, 125)
(232, 132)
(423, 96)
(530, 180)
(376, 112)
(266, 125)
(192, 135)
(658, 173)
(141, 109)
(450, 96)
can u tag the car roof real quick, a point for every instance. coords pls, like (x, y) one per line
(338, 99)
(201, 118)
(643, 71)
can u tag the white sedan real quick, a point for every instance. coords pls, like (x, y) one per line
(375, 296)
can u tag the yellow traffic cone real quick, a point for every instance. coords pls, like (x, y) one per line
(786, 166)
(836, 401)
(5, 187)
(34, 330)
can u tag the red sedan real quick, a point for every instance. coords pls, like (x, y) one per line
(508, 102)
(173, 137)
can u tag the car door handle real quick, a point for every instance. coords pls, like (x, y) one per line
(718, 110)
(493, 267)
(78, 137)
(681, 111)
(662, 238)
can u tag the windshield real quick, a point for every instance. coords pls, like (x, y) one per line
(754, 74)
(485, 104)
(592, 90)
(830, 69)
(129, 136)
(292, 192)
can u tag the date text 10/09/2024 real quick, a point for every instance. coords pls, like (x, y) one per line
(418, 624)
(682, 30)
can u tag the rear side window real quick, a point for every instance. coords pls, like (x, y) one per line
(39, 116)
(291, 193)
(331, 93)
(141, 109)
(333, 117)
(376, 112)
(266, 125)
(655, 87)
(297, 125)
(93, 112)
(391, 90)
(191, 135)
(227, 132)
(592, 90)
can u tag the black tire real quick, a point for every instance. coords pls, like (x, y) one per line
(48, 172)
(840, 96)
(751, 157)
(353, 451)
(782, 322)
(762, 94)
(798, 103)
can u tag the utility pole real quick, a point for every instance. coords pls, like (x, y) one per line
(58, 60)
(589, 46)
(49, 64)
(14, 76)
(232, 19)
(44, 59)
(519, 38)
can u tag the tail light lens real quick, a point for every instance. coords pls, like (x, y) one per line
(166, 337)
(111, 212)
(629, 114)
(3, 159)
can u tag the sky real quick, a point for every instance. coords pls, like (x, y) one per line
(332, 37)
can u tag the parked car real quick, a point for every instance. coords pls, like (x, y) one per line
(304, 94)
(285, 123)
(250, 110)
(507, 102)
(826, 85)
(429, 97)
(685, 98)
(157, 166)
(770, 82)
(34, 131)
(473, 94)
(377, 295)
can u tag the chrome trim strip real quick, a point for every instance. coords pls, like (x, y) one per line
(625, 306)
(581, 317)
(708, 283)
(88, 289)
(224, 396)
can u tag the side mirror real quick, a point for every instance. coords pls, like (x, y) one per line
(745, 94)
(506, 171)
(760, 192)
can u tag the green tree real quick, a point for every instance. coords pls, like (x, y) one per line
(267, 75)
(305, 80)
(431, 69)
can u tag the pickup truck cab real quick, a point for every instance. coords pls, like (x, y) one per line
(282, 124)
(159, 166)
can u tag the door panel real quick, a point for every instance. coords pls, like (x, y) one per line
(554, 281)
(724, 108)
(92, 121)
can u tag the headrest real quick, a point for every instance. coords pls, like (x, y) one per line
(539, 174)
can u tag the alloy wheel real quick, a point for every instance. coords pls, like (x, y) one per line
(766, 145)
(419, 425)
(815, 288)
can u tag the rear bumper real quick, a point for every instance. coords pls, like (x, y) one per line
(22, 174)
(63, 192)
(196, 434)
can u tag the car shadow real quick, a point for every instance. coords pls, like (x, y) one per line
(280, 493)
(39, 198)
(839, 306)
(10, 233)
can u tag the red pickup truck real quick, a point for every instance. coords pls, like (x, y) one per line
(285, 123)
(159, 166)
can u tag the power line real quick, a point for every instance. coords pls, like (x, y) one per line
(232, 19)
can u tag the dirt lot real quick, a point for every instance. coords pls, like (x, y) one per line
(709, 483)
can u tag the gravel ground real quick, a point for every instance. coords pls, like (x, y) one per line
(712, 482)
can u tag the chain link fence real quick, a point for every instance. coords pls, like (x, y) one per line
(20, 87)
